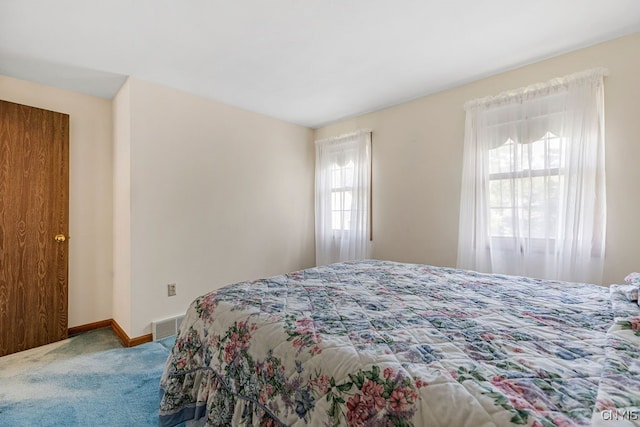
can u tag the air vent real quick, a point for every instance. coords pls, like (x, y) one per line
(166, 327)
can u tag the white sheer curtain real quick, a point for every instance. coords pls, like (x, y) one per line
(343, 173)
(533, 196)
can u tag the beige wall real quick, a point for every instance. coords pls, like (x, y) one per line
(218, 195)
(122, 207)
(417, 159)
(90, 198)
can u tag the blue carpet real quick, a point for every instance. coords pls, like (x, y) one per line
(117, 387)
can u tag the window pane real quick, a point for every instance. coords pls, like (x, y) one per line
(500, 193)
(502, 222)
(538, 155)
(556, 152)
(539, 191)
(335, 200)
(336, 222)
(522, 157)
(336, 177)
(346, 201)
(341, 209)
(495, 193)
(342, 181)
(537, 224)
(500, 158)
(553, 183)
(346, 220)
(348, 172)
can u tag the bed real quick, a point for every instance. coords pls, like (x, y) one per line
(380, 343)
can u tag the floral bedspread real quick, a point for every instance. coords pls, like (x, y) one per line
(379, 343)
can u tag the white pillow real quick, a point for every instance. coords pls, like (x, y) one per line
(629, 291)
(632, 278)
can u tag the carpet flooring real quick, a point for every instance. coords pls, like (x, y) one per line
(86, 380)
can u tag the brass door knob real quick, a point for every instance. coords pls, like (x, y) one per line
(60, 238)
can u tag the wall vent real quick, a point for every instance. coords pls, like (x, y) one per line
(166, 327)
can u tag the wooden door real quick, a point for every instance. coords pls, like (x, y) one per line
(34, 208)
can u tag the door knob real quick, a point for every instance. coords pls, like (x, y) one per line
(59, 238)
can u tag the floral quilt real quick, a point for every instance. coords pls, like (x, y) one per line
(380, 343)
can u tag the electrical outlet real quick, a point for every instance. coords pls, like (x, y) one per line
(171, 289)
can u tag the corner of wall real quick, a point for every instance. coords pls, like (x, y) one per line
(122, 207)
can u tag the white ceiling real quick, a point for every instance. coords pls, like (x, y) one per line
(308, 62)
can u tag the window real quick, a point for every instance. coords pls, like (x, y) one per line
(525, 186)
(343, 191)
(341, 195)
(533, 197)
